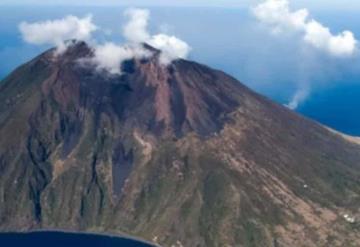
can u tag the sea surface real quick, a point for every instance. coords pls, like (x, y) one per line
(61, 239)
(230, 40)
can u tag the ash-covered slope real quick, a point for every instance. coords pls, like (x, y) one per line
(179, 155)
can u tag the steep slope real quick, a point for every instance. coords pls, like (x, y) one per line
(182, 155)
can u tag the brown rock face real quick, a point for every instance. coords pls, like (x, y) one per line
(179, 155)
(166, 100)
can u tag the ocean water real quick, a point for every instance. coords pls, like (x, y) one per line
(61, 239)
(230, 40)
(337, 107)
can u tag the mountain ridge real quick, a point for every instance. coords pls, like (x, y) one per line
(178, 154)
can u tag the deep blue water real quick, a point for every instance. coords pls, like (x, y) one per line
(60, 239)
(337, 106)
(232, 41)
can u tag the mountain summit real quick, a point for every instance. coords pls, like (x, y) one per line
(181, 155)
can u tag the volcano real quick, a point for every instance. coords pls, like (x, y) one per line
(180, 155)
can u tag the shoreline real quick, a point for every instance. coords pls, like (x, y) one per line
(349, 138)
(66, 231)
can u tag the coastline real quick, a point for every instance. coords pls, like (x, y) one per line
(349, 138)
(67, 231)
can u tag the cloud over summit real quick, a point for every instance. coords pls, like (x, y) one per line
(136, 31)
(108, 55)
(56, 32)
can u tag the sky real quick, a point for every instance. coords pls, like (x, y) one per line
(318, 4)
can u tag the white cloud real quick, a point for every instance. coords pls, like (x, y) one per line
(135, 31)
(171, 47)
(56, 32)
(110, 56)
(277, 14)
(343, 44)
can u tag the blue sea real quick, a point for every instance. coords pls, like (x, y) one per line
(230, 40)
(61, 239)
